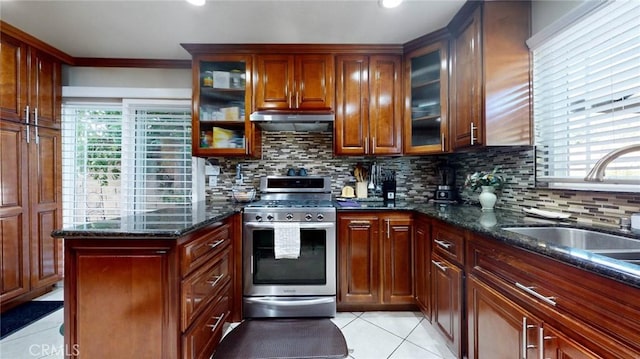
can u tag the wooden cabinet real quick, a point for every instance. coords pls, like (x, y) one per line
(31, 84)
(422, 264)
(13, 77)
(14, 212)
(426, 118)
(45, 205)
(498, 328)
(489, 90)
(369, 105)
(447, 284)
(375, 256)
(288, 81)
(45, 90)
(221, 106)
(166, 297)
(30, 167)
(574, 313)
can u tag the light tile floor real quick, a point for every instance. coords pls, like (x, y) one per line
(369, 335)
(41, 339)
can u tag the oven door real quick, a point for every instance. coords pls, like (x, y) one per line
(312, 273)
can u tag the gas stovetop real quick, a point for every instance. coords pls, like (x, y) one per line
(292, 199)
(292, 203)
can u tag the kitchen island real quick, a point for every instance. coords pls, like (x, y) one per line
(157, 284)
(154, 285)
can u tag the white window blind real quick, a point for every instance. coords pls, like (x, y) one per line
(586, 97)
(125, 158)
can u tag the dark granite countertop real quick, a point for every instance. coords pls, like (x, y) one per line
(490, 224)
(174, 222)
(169, 223)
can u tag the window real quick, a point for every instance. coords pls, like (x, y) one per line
(124, 158)
(586, 98)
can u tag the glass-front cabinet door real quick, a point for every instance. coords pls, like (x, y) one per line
(426, 125)
(221, 105)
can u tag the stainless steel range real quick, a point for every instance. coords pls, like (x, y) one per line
(289, 249)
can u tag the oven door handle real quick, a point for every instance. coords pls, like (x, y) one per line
(289, 303)
(303, 225)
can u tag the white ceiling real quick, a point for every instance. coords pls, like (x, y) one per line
(154, 29)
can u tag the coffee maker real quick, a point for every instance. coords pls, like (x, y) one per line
(389, 188)
(446, 190)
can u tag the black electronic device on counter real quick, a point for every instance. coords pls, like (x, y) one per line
(446, 190)
(389, 192)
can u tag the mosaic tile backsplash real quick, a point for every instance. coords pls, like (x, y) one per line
(417, 176)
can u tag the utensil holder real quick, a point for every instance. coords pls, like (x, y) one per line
(361, 189)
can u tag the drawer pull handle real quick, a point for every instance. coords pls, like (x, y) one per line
(440, 266)
(541, 339)
(216, 243)
(530, 290)
(218, 319)
(216, 280)
(525, 343)
(443, 244)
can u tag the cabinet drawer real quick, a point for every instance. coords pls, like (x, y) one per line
(202, 338)
(201, 286)
(197, 251)
(449, 242)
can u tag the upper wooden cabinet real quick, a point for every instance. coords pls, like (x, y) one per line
(31, 84)
(221, 107)
(489, 89)
(426, 124)
(302, 81)
(13, 77)
(369, 105)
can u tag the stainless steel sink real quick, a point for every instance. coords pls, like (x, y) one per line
(631, 256)
(580, 238)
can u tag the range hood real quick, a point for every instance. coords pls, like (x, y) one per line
(308, 121)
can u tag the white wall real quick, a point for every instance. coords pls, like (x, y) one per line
(126, 77)
(545, 12)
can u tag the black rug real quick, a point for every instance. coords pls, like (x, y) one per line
(283, 338)
(25, 314)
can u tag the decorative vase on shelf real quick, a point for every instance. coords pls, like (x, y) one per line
(487, 198)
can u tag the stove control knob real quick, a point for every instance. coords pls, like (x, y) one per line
(269, 217)
(320, 216)
(289, 216)
(258, 218)
(308, 217)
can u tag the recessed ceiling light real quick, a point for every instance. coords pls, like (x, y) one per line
(390, 3)
(196, 2)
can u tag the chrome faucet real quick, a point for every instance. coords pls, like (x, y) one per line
(597, 172)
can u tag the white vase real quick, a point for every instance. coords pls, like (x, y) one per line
(488, 219)
(487, 198)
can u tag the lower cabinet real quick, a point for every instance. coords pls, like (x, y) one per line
(150, 297)
(447, 281)
(524, 305)
(375, 260)
(30, 208)
(447, 284)
(499, 328)
(422, 264)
